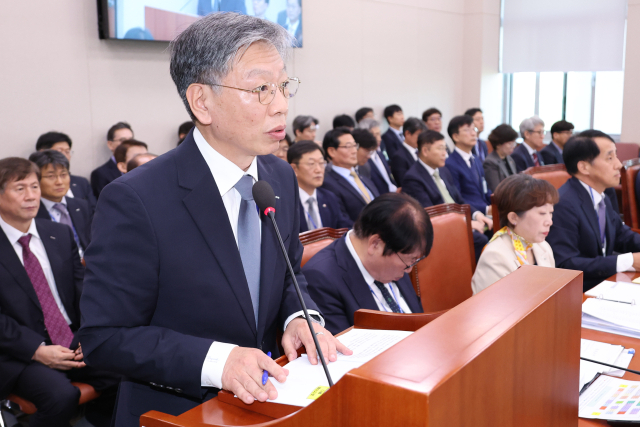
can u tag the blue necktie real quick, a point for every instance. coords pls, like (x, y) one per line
(474, 170)
(249, 239)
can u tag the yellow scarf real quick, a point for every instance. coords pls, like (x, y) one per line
(520, 245)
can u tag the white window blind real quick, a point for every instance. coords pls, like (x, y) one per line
(563, 35)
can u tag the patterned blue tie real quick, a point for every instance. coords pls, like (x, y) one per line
(249, 240)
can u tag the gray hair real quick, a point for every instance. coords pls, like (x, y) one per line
(205, 52)
(530, 124)
(300, 123)
(368, 124)
(49, 157)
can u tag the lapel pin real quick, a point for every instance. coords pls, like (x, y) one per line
(324, 205)
(278, 197)
(78, 210)
(52, 237)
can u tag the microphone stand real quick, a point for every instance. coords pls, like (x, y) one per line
(271, 215)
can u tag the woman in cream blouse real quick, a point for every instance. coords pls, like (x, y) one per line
(525, 206)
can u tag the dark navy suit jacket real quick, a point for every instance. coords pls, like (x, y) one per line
(82, 190)
(376, 175)
(103, 175)
(80, 214)
(551, 155)
(165, 280)
(470, 188)
(337, 286)
(575, 236)
(22, 327)
(483, 146)
(523, 159)
(401, 161)
(421, 186)
(350, 197)
(332, 212)
(391, 142)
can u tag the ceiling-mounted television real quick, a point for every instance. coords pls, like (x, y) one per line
(163, 20)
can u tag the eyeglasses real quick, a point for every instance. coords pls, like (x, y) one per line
(407, 267)
(312, 165)
(267, 91)
(53, 177)
(539, 132)
(350, 146)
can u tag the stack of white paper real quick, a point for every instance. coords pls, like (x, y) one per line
(602, 352)
(616, 291)
(612, 317)
(304, 377)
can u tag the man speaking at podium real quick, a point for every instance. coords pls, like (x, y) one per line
(186, 285)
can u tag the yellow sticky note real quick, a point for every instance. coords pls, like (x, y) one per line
(636, 280)
(317, 392)
(595, 413)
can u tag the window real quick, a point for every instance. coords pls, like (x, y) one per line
(586, 99)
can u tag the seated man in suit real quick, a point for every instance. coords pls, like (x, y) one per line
(393, 137)
(527, 154)
(364, 113)
(318, 207)
(378, 166)
(480, 150)
(54, 205)
(432, 119)
(560, 133)
(127, 151)
(369, 266)
(353, 190)
(41, 278)
(61, 142)
(305, 128)
(109, 171)
(344, 120)
(430, 183)
(466, 170)
(140, 160)
(367, 146)
(587, 234)
(186, 286)
(407, 154)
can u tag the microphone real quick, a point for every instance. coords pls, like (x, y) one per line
(266, 200)
(611, 366)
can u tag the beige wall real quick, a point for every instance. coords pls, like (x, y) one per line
(630, 105)
(57, 74)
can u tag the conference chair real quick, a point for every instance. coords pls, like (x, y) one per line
(87, 394)
(316, 240)
(629, 173)
(443, 279)
(556, 175)
(626, 150)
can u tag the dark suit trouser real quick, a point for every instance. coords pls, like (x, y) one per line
(479, 242)
(51, 392)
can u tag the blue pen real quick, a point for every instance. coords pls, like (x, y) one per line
(265, 374)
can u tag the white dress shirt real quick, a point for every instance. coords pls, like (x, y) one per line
(226, 175)
(529, 150)
(398, 132)
(624, 261)
(346, 174)
(304, 196)
(383, 171)
(377, 295)
(37, 248)
(411, 150)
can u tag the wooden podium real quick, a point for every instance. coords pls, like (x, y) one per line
(508, 356)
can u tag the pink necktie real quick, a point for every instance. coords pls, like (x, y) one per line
(57, 327)
(536, 162)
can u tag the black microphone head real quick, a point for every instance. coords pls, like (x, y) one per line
(264, 196)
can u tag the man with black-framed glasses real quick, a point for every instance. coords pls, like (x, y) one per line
(354, 190)
(369, 266)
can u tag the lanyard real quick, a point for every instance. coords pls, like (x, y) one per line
(382, 303)
(593, 200)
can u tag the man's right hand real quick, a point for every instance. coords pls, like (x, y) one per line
(636, 261)
(242, 374)
(57, 357)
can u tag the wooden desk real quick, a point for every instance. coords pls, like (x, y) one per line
(627, 342)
